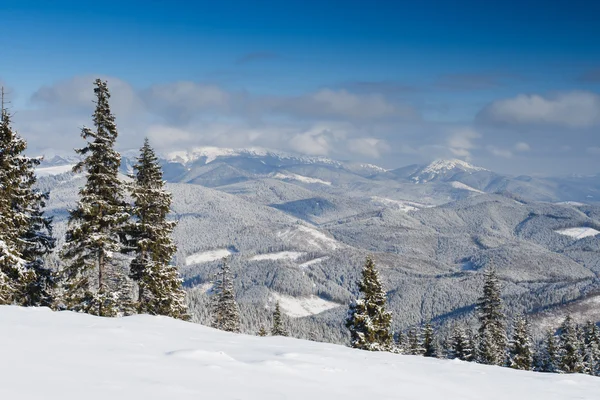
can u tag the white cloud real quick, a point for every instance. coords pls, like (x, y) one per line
(461, 143)
(576, 109)
(522, 146)
(368, 146)
(499, 152)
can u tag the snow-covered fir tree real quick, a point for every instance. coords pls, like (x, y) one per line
(160, 290)
(460, 345)
(415, 347)
(278, 326)
(550, 354)
(225, 310)
(591, 350)
(92, 273)
(368, 320)
(25, 234)
(521, 346)
(492, 330)
(571, 360)
(262, 331)
(429, 344)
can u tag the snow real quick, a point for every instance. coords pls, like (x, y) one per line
(56, 170)
(310, 236)
(143, 357)
(206, 256)
(460, 185)
(313, 262)
(282, 255)
(399, 204)
(439, 166)
(300, 178)
(579, 233)
(298, 307)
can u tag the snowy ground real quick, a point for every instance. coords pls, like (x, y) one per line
(300, 178)
(579, 233)
(64, 356)
(296, 307)
(57, 170)
(206, 256)
(282, 255)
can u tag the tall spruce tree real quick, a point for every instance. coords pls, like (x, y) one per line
(368, 320)
(521, 346)
(415, 347)
(25, 234)
(460, 345)
(278, 326)
(591, 351)
(429, 344)
(93, 276)
(492, 330)
(225, 310)
(550, 357)
(160, 290)
(571, 360)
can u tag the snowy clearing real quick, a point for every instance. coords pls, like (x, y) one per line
(313, 262)
(399, 204)
(300, 178)
(144, 357)
(297, 307)
(311, 237)
(282, 255)
(460, 185)
(206, 256)
(50, 171)
(578, 233)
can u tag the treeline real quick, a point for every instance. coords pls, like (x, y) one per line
(575, 349)
(117, 254)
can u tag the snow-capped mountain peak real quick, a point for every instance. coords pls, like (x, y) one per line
(443, 169)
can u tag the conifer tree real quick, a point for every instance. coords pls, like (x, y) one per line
(591, 355)
(96, 225)
(225, 310)
(414, 342)
(401, 345)
(492, 330)
(570, 346)
(160, 290)
(460, 345)
(25, 234)
(429, 344)
(278, 328)
(368, 321)
(521, 351)
(550, 357)
(262, 331)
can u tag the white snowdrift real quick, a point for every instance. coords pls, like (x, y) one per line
(206, 256)
(64, 356)
(57, 170)
(460, 185)
(309, 236)
(282, 255)
(297, 307)
(300, 178)
(579, 233)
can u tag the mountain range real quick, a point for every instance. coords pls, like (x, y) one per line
(298, 228)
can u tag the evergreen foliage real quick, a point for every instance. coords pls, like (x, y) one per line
(492, 330)
(25, 233)
(262, 331)
(521, 347)
(550, 357)
(591, 351)
(278, 327)
(92, 275)
(429, 343)
(415, 347)
(570, 347)
(368, 321)
(225, 311)
(160, 290)
(460, 345)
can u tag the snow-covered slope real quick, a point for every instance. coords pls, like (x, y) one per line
(443, 169)
(143, 357)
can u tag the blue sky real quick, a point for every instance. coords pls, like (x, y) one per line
(509, 85)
